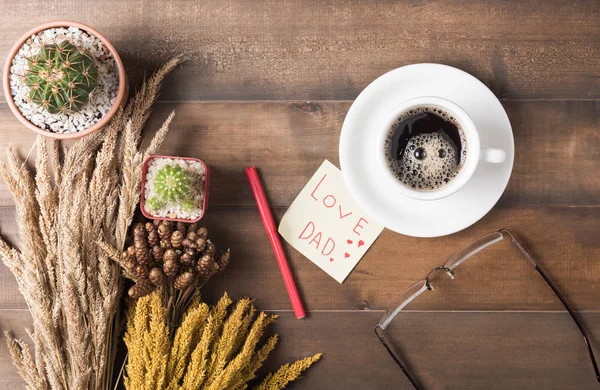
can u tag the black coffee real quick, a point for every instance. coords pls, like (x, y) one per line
(425, 148)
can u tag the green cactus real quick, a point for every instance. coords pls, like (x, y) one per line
(61, 78)
(155, 203)
(173, 184)
(187, 205)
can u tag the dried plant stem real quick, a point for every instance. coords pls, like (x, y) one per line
(286, 374)
(70, 284)
(210, 349)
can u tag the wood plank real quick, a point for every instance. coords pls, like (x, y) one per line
(565, 240)
(446, 350)
(332, 50)
(288, 142)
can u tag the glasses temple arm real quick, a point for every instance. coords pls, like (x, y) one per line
(562, 299)
(412, 380)
(575, 318)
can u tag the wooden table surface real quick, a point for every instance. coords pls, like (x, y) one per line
(271, 84)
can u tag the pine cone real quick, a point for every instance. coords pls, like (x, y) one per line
(128, 261)
(224, 260)
(189, 256)
(153, 238)
(186, 259)
(170, 267)
(139, 230)
(142, 253)
(170, 262)
(141, 271)
(157, 253)
(192, 236)
(207, 266)
(170, 254)
(182, 227)
(188, 244)
(128, 253)
(157, 276)
(141, 289)
(202, 232)
(176, 239)
(165, 229)
(163, 252)
(200, 244)
(210, 248)
(165, 243)
(184, 280)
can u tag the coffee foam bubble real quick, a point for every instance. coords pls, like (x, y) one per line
(440, 164)
(432, 110)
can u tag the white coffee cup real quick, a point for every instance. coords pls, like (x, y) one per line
(475, 152)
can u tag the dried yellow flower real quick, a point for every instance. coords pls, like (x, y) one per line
(209, 350)
(286, 374)
(186, 337)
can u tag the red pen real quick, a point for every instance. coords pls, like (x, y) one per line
(269, 223)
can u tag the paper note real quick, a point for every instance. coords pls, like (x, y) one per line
(327, 226)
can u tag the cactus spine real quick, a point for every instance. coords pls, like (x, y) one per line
(61, 78)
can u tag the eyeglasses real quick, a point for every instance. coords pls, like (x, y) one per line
(455, 260)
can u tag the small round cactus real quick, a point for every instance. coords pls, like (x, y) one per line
(61, 78)
(155, 203)
(173, 184)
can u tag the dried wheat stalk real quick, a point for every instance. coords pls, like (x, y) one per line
(71, 286)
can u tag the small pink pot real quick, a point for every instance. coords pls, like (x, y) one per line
(204, 194)
(122, 92)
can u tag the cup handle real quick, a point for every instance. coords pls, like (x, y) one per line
(492, 155)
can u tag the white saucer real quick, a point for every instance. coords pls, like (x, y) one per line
(416, 217)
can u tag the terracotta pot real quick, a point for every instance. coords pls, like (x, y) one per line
(204, 194)
(122, 92)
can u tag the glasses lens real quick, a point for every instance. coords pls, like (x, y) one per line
(403, 299)
(464, 253)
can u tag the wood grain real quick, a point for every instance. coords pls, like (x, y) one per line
(445, 350)
(270, 83)
(555, 142)
(313, 50)
(497, 279)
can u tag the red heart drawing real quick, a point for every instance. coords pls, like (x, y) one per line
(330, 259)
(361, 243)
(349, 241)
(346, 255)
